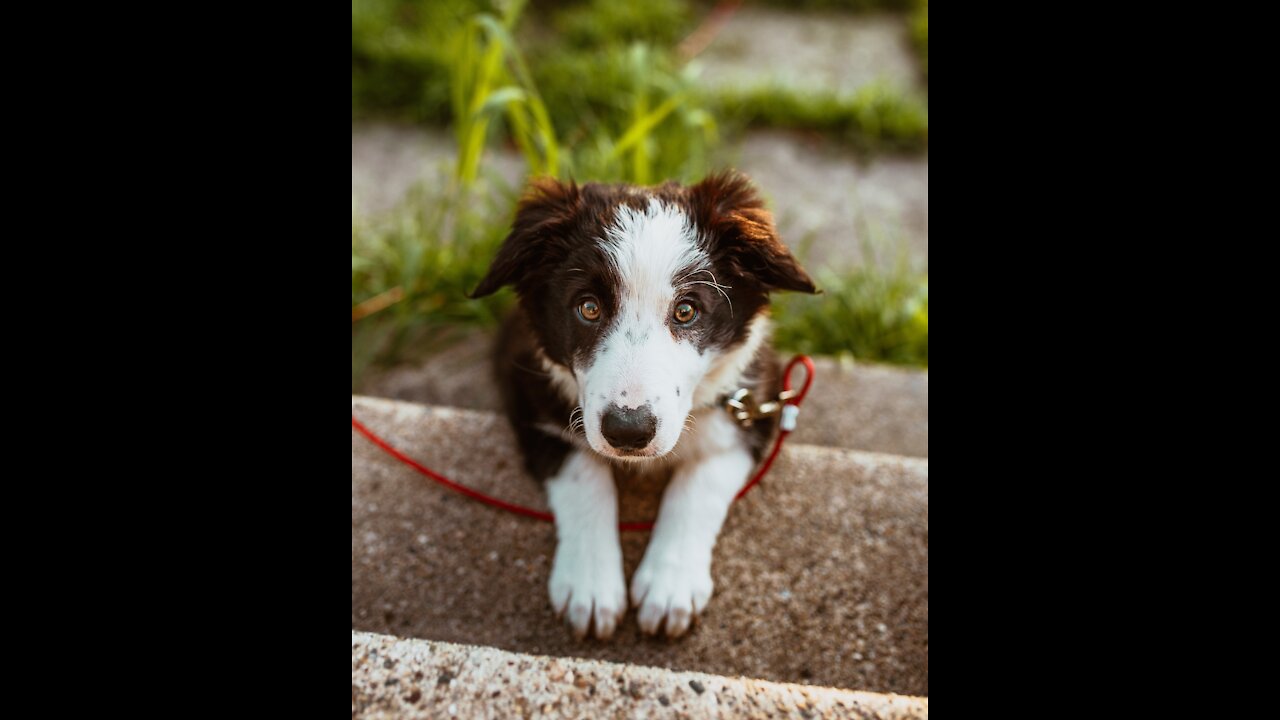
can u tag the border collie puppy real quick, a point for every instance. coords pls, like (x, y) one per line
(640, 310)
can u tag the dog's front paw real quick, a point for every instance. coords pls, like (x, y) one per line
(587, 585)
(672, 589)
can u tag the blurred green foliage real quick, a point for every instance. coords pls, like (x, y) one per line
(400, 56)
(845, 5)
(600, 23)
(599, 64)
(920, 34)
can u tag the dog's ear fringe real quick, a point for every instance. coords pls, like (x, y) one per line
(546, 205)
(729, 205)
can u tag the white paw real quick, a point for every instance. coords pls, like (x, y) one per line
(672, 589)
(586, 586)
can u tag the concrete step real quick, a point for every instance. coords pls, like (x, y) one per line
(810, 52)
(822, 573)
(830, 204)
(862, 407)
(397, 678)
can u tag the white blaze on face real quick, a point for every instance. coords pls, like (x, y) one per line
(640, 362)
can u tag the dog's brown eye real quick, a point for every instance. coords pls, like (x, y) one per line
(590, 310)
(685, 313)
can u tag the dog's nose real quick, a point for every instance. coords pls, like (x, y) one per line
(629, 429)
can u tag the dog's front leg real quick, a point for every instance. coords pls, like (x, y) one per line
(673, 582)
(586, 578)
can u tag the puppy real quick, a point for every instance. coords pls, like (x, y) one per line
(640, 310)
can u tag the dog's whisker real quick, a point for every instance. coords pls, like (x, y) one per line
(691, 425)
(577, 421)
(718, 289)
(715, 283)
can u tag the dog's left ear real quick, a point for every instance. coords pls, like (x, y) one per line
(729, 206)
(547, 206)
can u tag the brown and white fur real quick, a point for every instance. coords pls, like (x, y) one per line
(601, 374)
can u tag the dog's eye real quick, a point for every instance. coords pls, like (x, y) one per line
(589, 310)
(685, 313)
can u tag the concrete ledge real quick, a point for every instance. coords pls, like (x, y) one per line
(395, 678)
(822, 573)
(862, 407)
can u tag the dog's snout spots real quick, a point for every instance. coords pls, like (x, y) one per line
(629, 428)
(677, 392)
(624, 393)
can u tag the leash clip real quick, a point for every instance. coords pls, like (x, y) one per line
(742, 406)
(744, 409)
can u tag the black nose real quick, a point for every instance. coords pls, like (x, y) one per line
(627, 429)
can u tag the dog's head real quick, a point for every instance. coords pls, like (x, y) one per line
(647, 302)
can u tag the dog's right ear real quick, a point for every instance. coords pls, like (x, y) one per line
(546, 208)
(729, 206)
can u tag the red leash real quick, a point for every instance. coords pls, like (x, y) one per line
(789, 412)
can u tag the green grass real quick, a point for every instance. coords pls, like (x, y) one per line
(628, 113)
(869, 314)
(491, 81)
(641, 119)
(603, 23)
(877, 118)
(434, 249)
